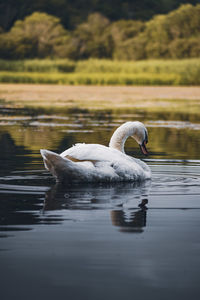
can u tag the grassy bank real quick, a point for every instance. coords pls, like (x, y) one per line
(102, 72)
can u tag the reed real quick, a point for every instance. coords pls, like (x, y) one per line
(89, 79)
(38, 65)
(102, 72)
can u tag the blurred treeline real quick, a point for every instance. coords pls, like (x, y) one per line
(41, 35)
(74, 12)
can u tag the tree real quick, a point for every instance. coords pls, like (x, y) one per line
(39, 35)
(157, 37)
(91, 39)
(174, 34)
(123, 33)
(184, 22)
(185, 48)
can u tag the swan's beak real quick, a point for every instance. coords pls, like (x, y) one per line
(143, 148)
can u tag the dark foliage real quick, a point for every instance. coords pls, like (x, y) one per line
(73, 12)
(41, 35)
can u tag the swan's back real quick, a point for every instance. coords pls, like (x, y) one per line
(95, 152)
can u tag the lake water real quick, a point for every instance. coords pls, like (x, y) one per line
(124, 241)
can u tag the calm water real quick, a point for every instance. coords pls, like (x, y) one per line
(125, 241)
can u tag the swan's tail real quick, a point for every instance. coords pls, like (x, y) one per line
(58, 166)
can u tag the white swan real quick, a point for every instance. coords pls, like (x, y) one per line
(98, 163)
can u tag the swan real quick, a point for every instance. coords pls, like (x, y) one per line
(98, 163)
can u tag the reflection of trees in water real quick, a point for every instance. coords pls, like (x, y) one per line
(163, 142)
(18, 209)
(173, 114)
(12, 157)
(35, 137)
(35, 133)
(180, 143)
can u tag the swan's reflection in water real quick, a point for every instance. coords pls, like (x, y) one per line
(125, 201)
(132, 220)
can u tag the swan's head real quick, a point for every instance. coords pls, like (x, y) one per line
(136, 130)
(139, 132)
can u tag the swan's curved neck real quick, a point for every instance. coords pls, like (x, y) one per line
(119, 138)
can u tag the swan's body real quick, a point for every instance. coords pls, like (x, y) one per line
(98, 163)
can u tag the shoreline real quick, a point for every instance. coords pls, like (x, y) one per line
(97, 97)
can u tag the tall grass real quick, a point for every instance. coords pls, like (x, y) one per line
(90, 79)
(102, 72)
(38, 65)
(149, 66)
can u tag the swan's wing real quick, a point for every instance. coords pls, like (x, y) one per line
(107, 161)
(90, 152)
(68, 171)
(63, 168)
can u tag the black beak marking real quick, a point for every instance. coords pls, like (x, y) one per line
(143, 146)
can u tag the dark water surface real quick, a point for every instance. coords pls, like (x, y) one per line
(125, 241)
